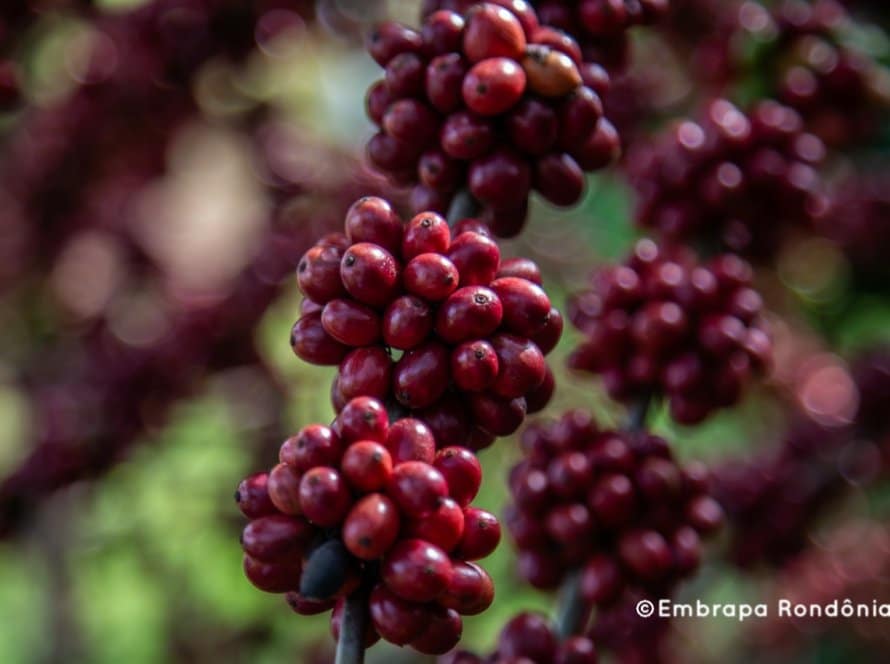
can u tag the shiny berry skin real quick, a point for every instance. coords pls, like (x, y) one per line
(350, 323)
(276, 539)
(462, 471)
(425, 233)
(365, 372)
(409, 439)
(416, 570)
(314, 445)
(395, 619)
(410, 121)
(366, 465)
(493, 86)
(284, 489)
(441, 634)
(369, 273)
(312, 344)
(417, 487)
(443, 527)
(324, 497)
(526, 305)
(472, 312)
(497, 415)
(491, 32)
(521, 365)
(371, 527)
(252, 496)
(272, 577)
(476, 257)
(482, 533)
(559, 179)
(474, 366)
(470, 591)
(550, 72)
(372, 219)
(363, 418)
(442, 32)
(407, 322)
(404, 75)
(421, 375)
(318, 273)
(430, 276)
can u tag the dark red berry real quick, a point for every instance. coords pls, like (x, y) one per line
(371, 527)
(409, 439)
(416, 570)
(252, 496)
(366, 465)
(324, 497)
(482, 532)
(417, 487)
(462, 472)
(407, 322)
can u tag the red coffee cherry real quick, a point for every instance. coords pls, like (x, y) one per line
(366, 465)
(482, 532)
(324, 498)
(371, 527)
(416, 570)
(417, 487)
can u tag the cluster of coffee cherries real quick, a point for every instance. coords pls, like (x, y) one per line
(738, 179)
(429, 320)
(664, 324)
(490, 101)
(366, 505)
(838, 90)
(601, 26)
(529, 638)
(613, 504)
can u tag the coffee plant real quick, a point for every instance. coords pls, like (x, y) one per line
(587, 312)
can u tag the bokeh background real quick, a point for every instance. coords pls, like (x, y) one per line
(162, 168)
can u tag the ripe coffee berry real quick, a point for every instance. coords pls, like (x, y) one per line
(431, 321)
(741, 180)
(368, 506)
(486, 66)
(614, 505)
(663, 324)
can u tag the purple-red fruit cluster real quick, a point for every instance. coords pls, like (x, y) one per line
(663, 324)
(529, 638)
(429, 319)
(601, 26)
(839, 91)
(615, 505)
(370, 503)
(490, 101)
(741, 180)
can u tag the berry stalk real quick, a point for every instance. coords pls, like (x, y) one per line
(572, 614)
(351, 644)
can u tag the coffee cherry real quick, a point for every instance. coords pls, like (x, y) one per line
(493, 86)
(430, 276)
(491, 32)
(314, 445)
(528, 635)
(350, 323)
(372, 219)
(276, 539)
(441, 634)
(443, 527)
(272, 577)
(407, 322)
(363, 418)
(601, 580)
(417, 487)
(366, 465)
(521, 365)
(645, 553)
(576, 650)
(426, 233)
(465, 136)
(476, 257)
(526, 306)
(318, 273)
(284, 489)
(533, 126)
(410, 439)
(482, 532)
(470, 591)
(389, 39)
(472, 312)
(421, 376)
(369, 273)
(462, 471)
(371, 527)
(312, 344)
(324, 498)
(416, 570)
(395, 619)
(499, 178)
(550, 73)
(253, 498)
(442, 32)
(497, 415)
